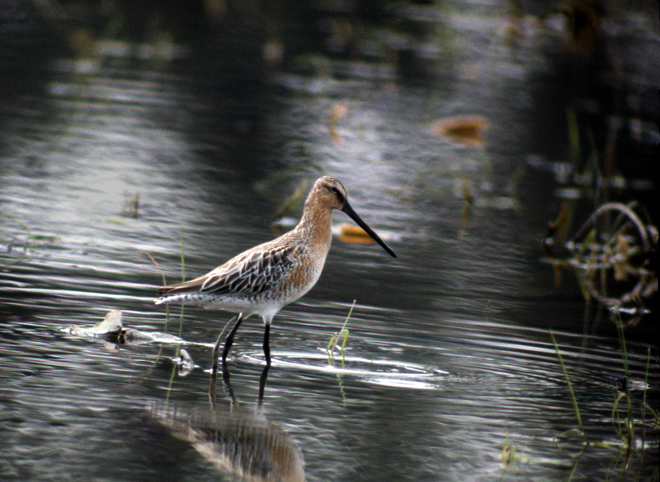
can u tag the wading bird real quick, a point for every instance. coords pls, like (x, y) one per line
(262, 280)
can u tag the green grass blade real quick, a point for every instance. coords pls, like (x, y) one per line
(576, 409)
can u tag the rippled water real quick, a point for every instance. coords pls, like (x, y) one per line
(449, 359)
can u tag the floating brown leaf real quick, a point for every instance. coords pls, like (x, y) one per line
(464, 129)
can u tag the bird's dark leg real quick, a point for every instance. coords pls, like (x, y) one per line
(225, 352)
(214, 370)
(262, 384)
(230, 339)
(214, 357)
(267, 344)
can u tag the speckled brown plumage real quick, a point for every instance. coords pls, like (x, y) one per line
(261, 280)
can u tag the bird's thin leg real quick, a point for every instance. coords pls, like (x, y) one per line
(262, 384)
(214, 370)
(267, 344)
(214, 365)
(230, 339)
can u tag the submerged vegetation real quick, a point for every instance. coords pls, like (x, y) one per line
(603, 183)
(614, 256)
(131, 205)
(511, 457)
(10, 246)
(633, 420)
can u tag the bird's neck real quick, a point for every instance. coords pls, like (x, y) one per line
(316, 225)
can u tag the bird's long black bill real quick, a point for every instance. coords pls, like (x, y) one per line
(349, 210)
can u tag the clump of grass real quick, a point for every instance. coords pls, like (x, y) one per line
(334, 340)
(26, 248)
(131, 204)
(576, 409)
(631, 434)
(612, 252)
(611, 255)
(511, 456)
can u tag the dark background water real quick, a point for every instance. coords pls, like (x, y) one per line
(449, 357)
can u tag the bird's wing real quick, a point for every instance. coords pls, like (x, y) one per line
(250, 273)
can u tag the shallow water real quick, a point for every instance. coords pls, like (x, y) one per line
(449, 358)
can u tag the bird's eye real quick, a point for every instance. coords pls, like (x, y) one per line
(334, 190)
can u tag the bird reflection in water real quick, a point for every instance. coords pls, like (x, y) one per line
(234, 438)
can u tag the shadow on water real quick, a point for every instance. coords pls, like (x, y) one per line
(448, 371)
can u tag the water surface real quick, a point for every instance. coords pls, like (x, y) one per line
(449, 360)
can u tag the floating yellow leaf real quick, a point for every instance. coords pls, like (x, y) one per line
(350, 230)
(354, 235)
(465, 129)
